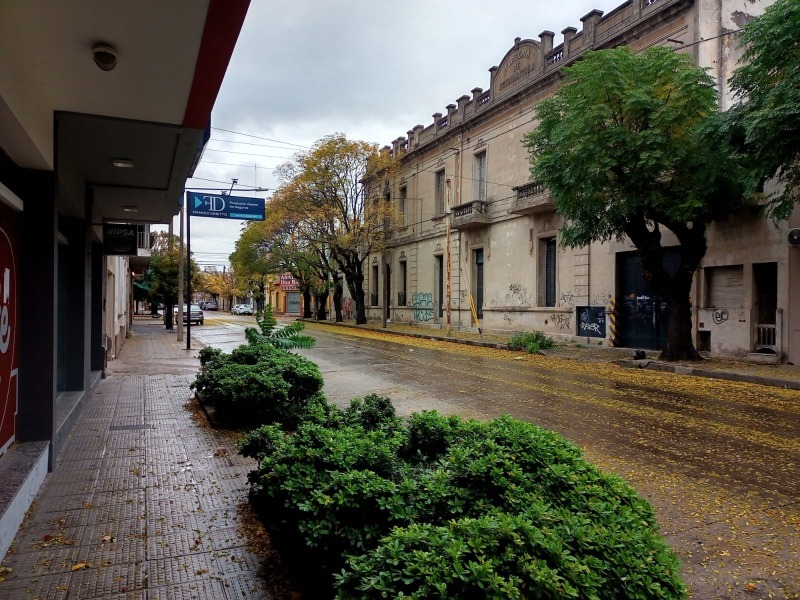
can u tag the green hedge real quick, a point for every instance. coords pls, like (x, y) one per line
(259, 383)
(443, 507)
(532, 342)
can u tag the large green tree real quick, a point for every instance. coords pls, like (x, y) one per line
(630, 146)
(768, 89)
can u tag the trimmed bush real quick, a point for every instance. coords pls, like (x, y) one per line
(449, 508)
(532, 342)
(372, 412)
(258, 384)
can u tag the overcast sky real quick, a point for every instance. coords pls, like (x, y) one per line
(371, 69)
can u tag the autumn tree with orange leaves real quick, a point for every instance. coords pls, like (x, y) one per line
(334, 218)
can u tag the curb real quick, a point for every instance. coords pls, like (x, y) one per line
(654, 365)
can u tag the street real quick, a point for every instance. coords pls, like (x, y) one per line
(719, 461)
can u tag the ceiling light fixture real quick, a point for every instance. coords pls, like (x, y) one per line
(122, 163)
(105, 56)
(130, 209)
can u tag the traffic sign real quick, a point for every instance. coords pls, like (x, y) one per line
(221, 206)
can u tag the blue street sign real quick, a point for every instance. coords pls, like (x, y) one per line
(225, 207)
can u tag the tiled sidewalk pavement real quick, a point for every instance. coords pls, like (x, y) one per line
(143, 503)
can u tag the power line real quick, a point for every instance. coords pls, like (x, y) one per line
(246, 166)
(258, 137)
(249, 144)
(247, 153)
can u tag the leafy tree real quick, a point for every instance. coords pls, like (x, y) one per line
(768, 89)
(252, 263)
(631, 146)
(161, 276)
(324, 190)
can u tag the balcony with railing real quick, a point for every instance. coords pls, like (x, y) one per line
(532, 198)
(141, 260)
(470, 215)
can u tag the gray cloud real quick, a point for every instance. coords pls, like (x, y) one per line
(303, 69)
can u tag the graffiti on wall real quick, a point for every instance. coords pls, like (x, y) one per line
(347, 308)
(600, 299)
(720, 316)
(518, 295)
(567, 299)
(591, 321)
(422, 307)
(562, 321)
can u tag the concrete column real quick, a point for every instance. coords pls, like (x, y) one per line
(545, 47)
(96, 341)
(590, 22)
(76, 292)
(38, 304)
(568, 33)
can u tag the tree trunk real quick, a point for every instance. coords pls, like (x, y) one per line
(679, 335)
(338, 292)
(321, 300)
(307, 313)
(675, 287)
(350, 265)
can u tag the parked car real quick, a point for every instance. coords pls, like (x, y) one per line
(208, 305)
(197, 315)
(242, 309)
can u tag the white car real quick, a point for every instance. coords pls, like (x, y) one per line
(242, 309)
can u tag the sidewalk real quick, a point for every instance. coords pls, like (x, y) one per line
(732, 369)
(143, 502)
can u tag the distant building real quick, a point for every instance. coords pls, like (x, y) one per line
(506, 267)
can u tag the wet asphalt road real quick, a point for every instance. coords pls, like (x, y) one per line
(720, 461)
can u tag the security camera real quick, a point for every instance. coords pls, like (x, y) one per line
(105, 56)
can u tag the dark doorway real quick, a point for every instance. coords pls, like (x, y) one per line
(644, 317)
(765, 276)
(550, 272)
(440, 284)
(479, 282)
(388, 296)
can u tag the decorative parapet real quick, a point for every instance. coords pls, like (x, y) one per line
(530, 60)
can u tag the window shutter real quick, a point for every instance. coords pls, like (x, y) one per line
(725, 287)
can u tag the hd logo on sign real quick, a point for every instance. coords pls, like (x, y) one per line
(225, 207)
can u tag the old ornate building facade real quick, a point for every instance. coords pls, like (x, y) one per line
(474, 228)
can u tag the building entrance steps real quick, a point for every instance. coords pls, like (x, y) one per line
(142, 503)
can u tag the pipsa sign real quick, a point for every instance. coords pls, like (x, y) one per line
(119, 239)
(9, 353)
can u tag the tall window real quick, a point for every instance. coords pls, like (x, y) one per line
(547, 272)
(480, 176)
(401, 205)
(439, 192)
(373, 296)
(401, 294)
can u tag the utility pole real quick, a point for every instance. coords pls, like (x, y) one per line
(447, 260)
(180, 279)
